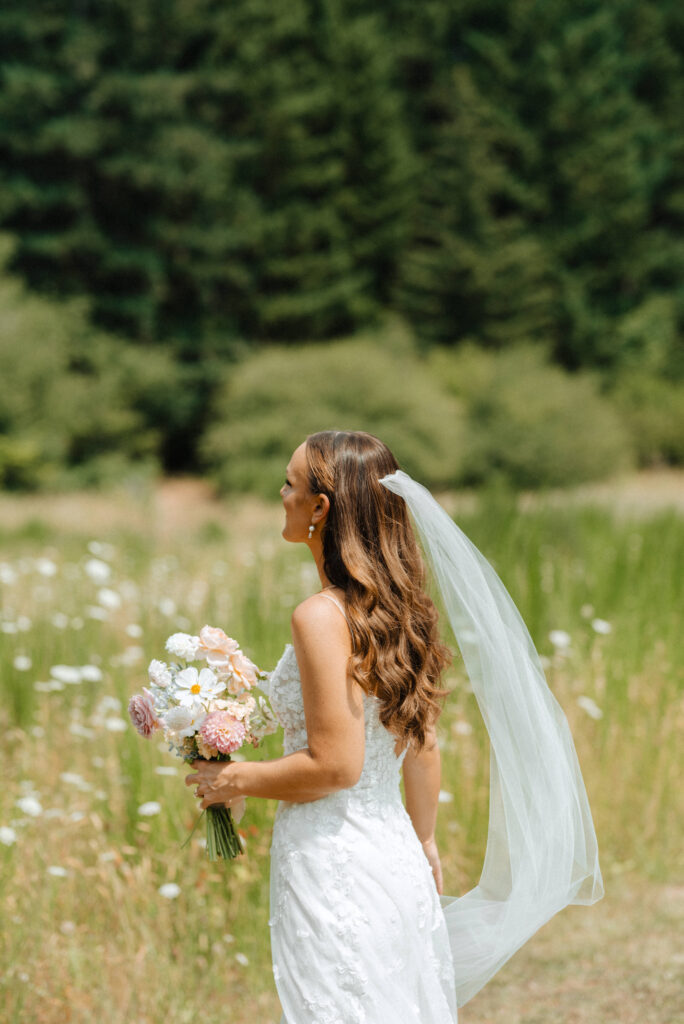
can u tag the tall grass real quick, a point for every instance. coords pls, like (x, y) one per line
(98, 941)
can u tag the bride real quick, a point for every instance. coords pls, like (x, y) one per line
(361, 932)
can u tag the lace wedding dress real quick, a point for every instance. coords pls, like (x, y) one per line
(358, 934)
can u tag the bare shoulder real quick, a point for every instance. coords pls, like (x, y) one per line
(317, 618)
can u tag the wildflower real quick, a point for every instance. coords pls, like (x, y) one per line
(150, 808)
(559, 638)
(590, 706)
(169, 890)
(8, 836)
(22, 663)
(29, 805)
(601, 626)
(98, 571)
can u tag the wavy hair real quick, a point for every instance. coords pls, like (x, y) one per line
(370, 551)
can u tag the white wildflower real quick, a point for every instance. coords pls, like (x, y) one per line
(22, 663)
(590, 706)
(46, 567)
(59, 620)
(29, 805)
(93, 611)
(57, 870)
(445, 797)
(66, 673)
(8, 836)
(559, 638)
(134, 630)
(167, 606)
(601, 626)
(98, 571)
(91, 673)
(109, 598)
(241, 959)
(169, 890)
(150, 808)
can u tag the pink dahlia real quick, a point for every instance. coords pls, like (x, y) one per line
(142, 713)
(221, 730)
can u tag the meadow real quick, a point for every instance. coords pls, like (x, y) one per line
(108, 918)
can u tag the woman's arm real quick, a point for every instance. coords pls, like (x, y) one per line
(333, 708)
(422, 776)
(422, 779)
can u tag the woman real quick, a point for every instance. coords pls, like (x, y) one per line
(359, 933)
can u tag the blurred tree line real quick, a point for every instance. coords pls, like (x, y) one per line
(210, 178)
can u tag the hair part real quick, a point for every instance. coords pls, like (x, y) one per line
(370, 551)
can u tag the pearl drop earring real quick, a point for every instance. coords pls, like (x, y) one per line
(311, 530)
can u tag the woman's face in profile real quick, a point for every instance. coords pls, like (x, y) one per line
(297, 499)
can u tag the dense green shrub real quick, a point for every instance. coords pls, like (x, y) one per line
(653, 410)
(72, 402)
(273, 400)
(530, 422)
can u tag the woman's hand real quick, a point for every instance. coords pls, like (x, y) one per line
(430, 850)
(217, 783)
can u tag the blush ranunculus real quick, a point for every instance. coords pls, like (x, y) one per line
(142, 714)
(219, 729)
(214, 639)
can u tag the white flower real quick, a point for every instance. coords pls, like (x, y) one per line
(22, 663)
(97, 570)
(159, 673)
(29, 805)
(66, 673)
(192, 685)
(108, 598)
(101, 548)
(93, 611)
(461, 728)
(559, 638)
(150, 808)
(67, 927)
(23, 623)
(59, 620)
(165, 769)
(74, 779)
(91, 673)
(169, 890)
(46, 567)
(167, 606)
(7, 835)
(134, 630)
(184, 721)
(445, 797)
(57, 871)
(184, 646)
(601, 626)
(241, 959)
(115, 724)
(590, 706)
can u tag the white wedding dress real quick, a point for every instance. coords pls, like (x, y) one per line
(358, 934)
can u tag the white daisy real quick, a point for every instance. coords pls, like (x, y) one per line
(192, 685)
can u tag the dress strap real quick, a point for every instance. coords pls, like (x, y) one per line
(335, 600)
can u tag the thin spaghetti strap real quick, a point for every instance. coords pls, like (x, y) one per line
(335, 601)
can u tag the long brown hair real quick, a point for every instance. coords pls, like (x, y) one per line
(371, 552)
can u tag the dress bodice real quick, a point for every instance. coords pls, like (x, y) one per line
(379, 780)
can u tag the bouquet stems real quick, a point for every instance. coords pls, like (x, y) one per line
(223, 840)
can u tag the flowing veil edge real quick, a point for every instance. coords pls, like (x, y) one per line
(542, 851)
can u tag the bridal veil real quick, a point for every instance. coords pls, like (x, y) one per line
(542, 852)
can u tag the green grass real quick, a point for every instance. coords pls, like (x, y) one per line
(101, 940)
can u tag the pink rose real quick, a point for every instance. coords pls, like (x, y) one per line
(221, 730)
(142, 713)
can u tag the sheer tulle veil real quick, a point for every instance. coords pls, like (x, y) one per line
(542, 852)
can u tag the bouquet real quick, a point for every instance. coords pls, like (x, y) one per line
(207, 712)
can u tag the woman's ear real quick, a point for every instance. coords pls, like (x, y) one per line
(321, 508)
